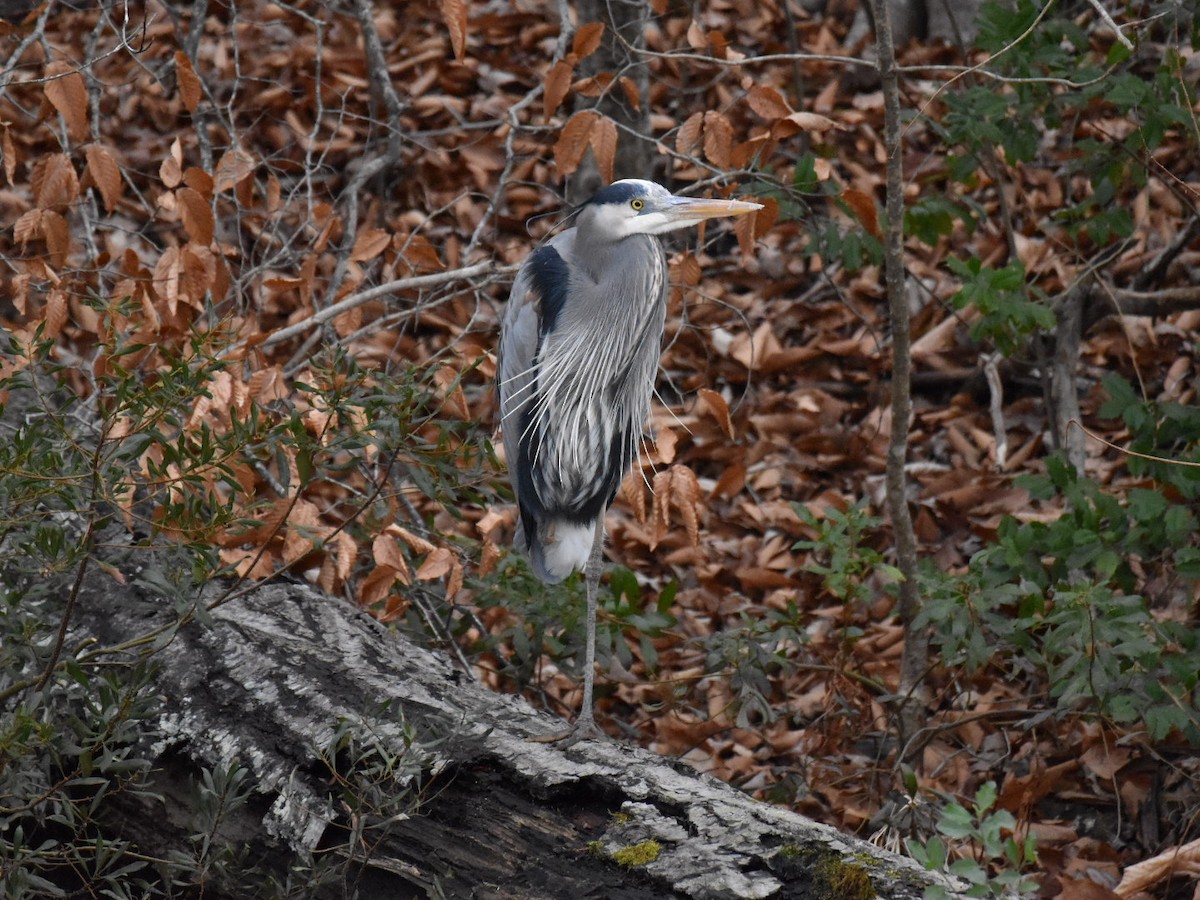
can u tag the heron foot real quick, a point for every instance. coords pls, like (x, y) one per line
(584, 729)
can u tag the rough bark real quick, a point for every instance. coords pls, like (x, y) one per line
(911, 703)
(272, 676)
(619, 56)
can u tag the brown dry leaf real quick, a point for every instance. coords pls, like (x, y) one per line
(111, 571)
(678, 487)
(303, 527)
(587, 39)
(767, 102)
(746, 229)
(455, 582)
(1079, 888)
(268, 385)
(233, 167)
(454, 14)
(54, 182)
(449, 381)
(28, 226)
(67, 93)
(104, 172)
(377, 585)
(696, 37)
(197, 216)
(632, 94)
(420, 255)
(369, 243)
(346, 552)
(415, 542)
(604, 145)
(488, 559)
(573, 141)
(634, 491)
(199, 181)
(8, 152)
(864, 209)
(716, 406)
(55, 314)
(687, 139)
(718, 138)
(171, 169)
(437, 564)
(556, 85)
(166, 278)
(1149, 873)
(386, 552)
(1104, 759)
(57, 235)
(198, 269)
(189, 85)
(808, 121)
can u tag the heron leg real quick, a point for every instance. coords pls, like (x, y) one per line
(591, 575)
(585, 726)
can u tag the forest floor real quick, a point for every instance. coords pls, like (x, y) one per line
(206, 173)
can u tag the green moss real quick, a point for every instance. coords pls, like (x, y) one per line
(621, 818)
(791, 851)
(844, 880)
(638, 855)
(596, 848)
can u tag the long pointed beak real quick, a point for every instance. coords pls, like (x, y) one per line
(694, 209)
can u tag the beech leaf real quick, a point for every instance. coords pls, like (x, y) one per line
(197, 216)
(558, 82)
(189, 84)
(67, 93)
(604, 145)
(454, 14)
(573, 142)
(102, 168)
(767, 102)
(718, 138)
(587, 39)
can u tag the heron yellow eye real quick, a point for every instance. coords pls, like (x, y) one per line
(637, 204)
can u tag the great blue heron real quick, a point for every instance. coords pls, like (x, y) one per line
(579, 349)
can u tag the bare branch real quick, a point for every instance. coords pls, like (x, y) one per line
(916, 640)
(402, 284)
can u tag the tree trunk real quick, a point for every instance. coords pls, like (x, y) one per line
(369, 751)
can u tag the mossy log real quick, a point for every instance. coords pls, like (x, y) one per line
(364, 748)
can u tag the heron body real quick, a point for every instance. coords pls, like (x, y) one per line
(579, 349)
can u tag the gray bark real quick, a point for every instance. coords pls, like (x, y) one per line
(273, 675)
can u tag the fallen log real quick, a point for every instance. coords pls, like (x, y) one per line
(362, 749)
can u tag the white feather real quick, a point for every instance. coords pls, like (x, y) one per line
(565, 547)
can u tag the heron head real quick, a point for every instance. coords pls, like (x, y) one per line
(633, 206)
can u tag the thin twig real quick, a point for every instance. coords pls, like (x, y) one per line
(403, 284)
(916, 640)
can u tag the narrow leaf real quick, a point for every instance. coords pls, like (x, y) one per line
(197, 216)
(189, 84)
(573, 142)
(604, 145)
(864, 209)
(67, 93)
(558, 82)
(102, 168)
(687, 139)
(587, 39)
(718, 138)
(454, 14)
(718, 409)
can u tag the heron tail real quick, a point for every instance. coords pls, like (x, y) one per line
(557, 548)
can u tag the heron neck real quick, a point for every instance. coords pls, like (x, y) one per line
(601, 256)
